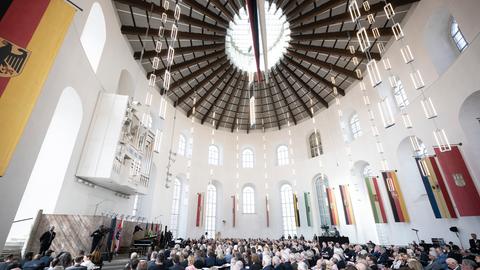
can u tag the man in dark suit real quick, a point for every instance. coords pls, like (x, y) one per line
(35, 264)
(97, 236)
(474, 244)
(46, 240)
(176, 263)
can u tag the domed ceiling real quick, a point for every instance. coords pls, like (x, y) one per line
(309, 44)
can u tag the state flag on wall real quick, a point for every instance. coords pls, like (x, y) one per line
(31, 33)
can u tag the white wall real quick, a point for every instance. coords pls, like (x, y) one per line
(448, 91)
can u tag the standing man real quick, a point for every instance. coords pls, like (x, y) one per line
(97, 236)
(46, 240)
(474, 244)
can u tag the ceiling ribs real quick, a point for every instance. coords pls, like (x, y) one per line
(223, 9)
(287, 82)
(317, 11)
(279, 89)
(304, 85)
(159, 10)
(273, 104)
(222, 92)
(234, 89)
(197, 73)
(209, 90)
(132, 30)
(320, 63)
(342, 35)
(238, 105)
(179, 51)
(205, 10)
(315, 76)
(332, 51)
(199, 85)
(189, 63)
(298, 8)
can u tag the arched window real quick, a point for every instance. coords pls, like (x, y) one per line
(288, 215)
(94, 35)
(213, 155)
(247, 158)
(355, 126)
(190, 147)
(177, 189)
(315, 142)
(367, 171)
(211, 210)
(248, 201)
(282, 155)
(182, 145)
(400, 95)
(457, 36)
(321, 184)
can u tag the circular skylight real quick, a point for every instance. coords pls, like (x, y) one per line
(239, 42)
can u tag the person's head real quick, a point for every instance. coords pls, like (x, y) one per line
(190, 260)
(267, 260)
(49, 253)
(198, 264)
(37, 257)
(134, 255)
(468, 264)
(78, 260)
(160, 258)
(474, 236)
(101, 227)
(176, 259)
(302, 266)
(142, 265)
(87, 257)
(153, 256)
(52, 228)
(65, 259)
(276, 261)
(9, 258)
(134, 264)
(451, 263)
(238, 265)
(28, 256)
(414, 264)
(54, 262)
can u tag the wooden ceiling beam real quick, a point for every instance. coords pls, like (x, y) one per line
(316, 11)
(222, 92)
(279, 89)
(290, 4)
(185, 64)
(322, 64)
(153, 32)
(223, 9)
(159, 10)
(285, 80)
(198, 86)
(342, 35)
(234, 89)
(314, 75)
(235, 7)
(332, 51)
(209, 90)
(180, 51)
(204, 10)
(198, 72)
(238, 105)
(378, 7)
(299, 8)
(304, 85)
(273, 103)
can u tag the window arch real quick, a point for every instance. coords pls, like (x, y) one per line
(248, 200)
(367, 171)
(211, 210)
(94, 35)
(282, 155)
(182, 145)
(457, 36)
(189, 147)
(213, 155)
(315, 142)
(400, 94)
(288, 215)
(174, 215)
(247, 158)
(355, 126)
(321, 185)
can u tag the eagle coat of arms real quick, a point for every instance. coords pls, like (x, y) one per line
(12, 58)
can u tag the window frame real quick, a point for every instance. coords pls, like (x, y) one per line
(288, 210)
(175, 210)
(354, 124)
(249, 161)
(400, 95)
(283, 158)
(213, 156)
(248, 200)
(315, 144)
(211, 210)
(182, 145)
(457, 36)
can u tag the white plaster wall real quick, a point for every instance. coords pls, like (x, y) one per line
(448, 92)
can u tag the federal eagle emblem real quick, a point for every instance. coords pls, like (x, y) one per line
(12, 58)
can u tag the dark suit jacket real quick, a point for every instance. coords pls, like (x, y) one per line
(256, 266)
(76, 267)
(176, 267)
(34, 265)
(268, 267)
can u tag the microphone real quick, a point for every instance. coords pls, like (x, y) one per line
(415, 230)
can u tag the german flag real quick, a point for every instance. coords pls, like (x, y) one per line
(332, 206)
(395, 197)
(347, 205)
(376, 200)
(436, 188)
(31, 33)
